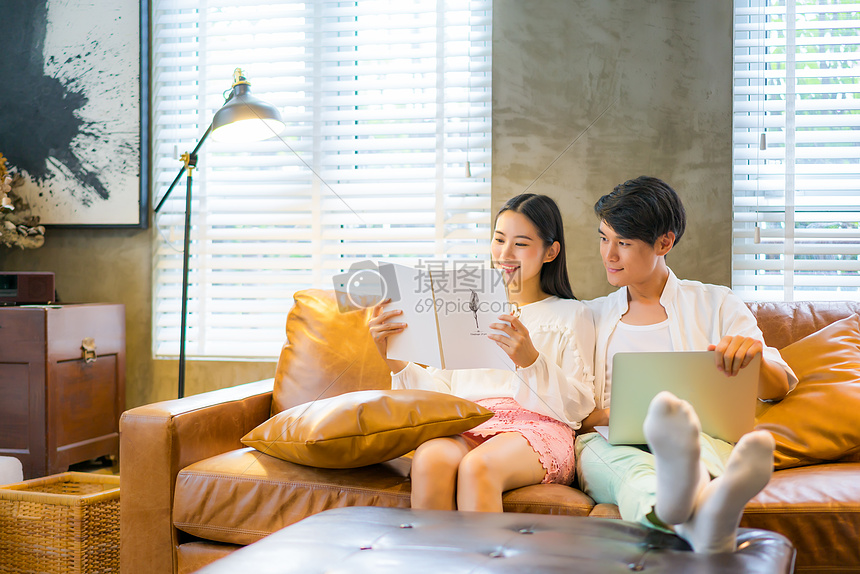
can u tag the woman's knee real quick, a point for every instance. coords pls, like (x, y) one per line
(437, 455)
(477, 468)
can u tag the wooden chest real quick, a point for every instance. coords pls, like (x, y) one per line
(60, 401)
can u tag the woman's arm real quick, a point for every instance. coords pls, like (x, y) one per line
(560, 382)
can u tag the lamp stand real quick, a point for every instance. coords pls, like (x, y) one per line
(240, 108)
(189, 161)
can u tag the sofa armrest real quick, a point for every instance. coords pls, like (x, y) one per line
(159, 440)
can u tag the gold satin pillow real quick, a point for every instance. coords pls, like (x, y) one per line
(817, 421)
(363, 427)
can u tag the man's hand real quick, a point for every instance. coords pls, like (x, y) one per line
(734, 352)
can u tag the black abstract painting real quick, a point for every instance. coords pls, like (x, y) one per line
(70, 108)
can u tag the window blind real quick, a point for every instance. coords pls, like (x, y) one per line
(386, 104)
(796, 140)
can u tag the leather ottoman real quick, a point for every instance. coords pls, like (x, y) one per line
(376, 540)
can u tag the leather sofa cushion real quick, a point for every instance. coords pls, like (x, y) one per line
(363, 427)
(816, 507)
(327, 353)
(192, 556)
(818, 421)
(242, 496)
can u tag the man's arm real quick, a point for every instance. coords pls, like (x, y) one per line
(742, 340)
(772, 382)
(598, 417)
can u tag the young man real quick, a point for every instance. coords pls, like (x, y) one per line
(671, 486)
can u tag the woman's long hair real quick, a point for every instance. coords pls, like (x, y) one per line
(544, 214)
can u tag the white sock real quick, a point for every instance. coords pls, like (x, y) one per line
(672, 431)
(713, 527)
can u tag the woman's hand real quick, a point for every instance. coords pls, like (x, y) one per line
(734, 352)
(380, 329)
(518, 344)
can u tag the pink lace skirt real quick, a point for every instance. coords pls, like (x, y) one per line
(552, 440)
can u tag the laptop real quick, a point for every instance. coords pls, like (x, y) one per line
(725, 405)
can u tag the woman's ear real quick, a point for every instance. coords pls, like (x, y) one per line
(552, 252)
(665, 243)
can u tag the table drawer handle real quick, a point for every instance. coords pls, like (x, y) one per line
(88, 350)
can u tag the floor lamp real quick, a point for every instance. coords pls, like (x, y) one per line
(243, 118)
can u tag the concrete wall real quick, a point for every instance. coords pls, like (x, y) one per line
(652, 76)
(590, 93)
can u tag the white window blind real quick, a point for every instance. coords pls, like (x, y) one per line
(386, 103)
(796, 165)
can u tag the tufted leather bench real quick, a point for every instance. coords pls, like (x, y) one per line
(376, 540)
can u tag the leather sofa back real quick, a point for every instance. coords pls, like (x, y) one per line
(785, 323)
(329, 352)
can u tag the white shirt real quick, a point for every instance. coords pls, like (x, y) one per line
(559, 384)
(699, 315)
(635, 339)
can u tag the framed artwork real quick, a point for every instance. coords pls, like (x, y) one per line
(74, 109)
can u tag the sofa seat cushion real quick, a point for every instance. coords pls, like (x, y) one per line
(548, 499)
(817, 508)
(241, 496)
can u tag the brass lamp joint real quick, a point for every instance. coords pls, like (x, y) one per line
(190, 161)
(239, 78)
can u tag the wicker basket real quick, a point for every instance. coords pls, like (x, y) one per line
(65, 523)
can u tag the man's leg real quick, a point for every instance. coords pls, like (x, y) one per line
(617, 474)
(713, 526)
(709, 522)
(672, 430)
(626, 475)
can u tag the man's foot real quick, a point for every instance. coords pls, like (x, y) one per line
(713, 527)
(672, 431)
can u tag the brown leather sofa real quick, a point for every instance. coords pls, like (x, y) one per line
(191, 493)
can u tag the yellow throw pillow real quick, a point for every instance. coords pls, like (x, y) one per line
(817, 421)
(363, 427)
(327, 353)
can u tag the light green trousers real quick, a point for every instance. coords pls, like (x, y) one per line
(626, 475)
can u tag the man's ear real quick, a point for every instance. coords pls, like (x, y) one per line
(552, 252)
(665, 243)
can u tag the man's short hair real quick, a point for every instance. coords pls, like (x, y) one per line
(644, 208)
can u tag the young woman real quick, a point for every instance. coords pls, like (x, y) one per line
(538, 406)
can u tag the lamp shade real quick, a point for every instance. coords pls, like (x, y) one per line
(244, 118)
